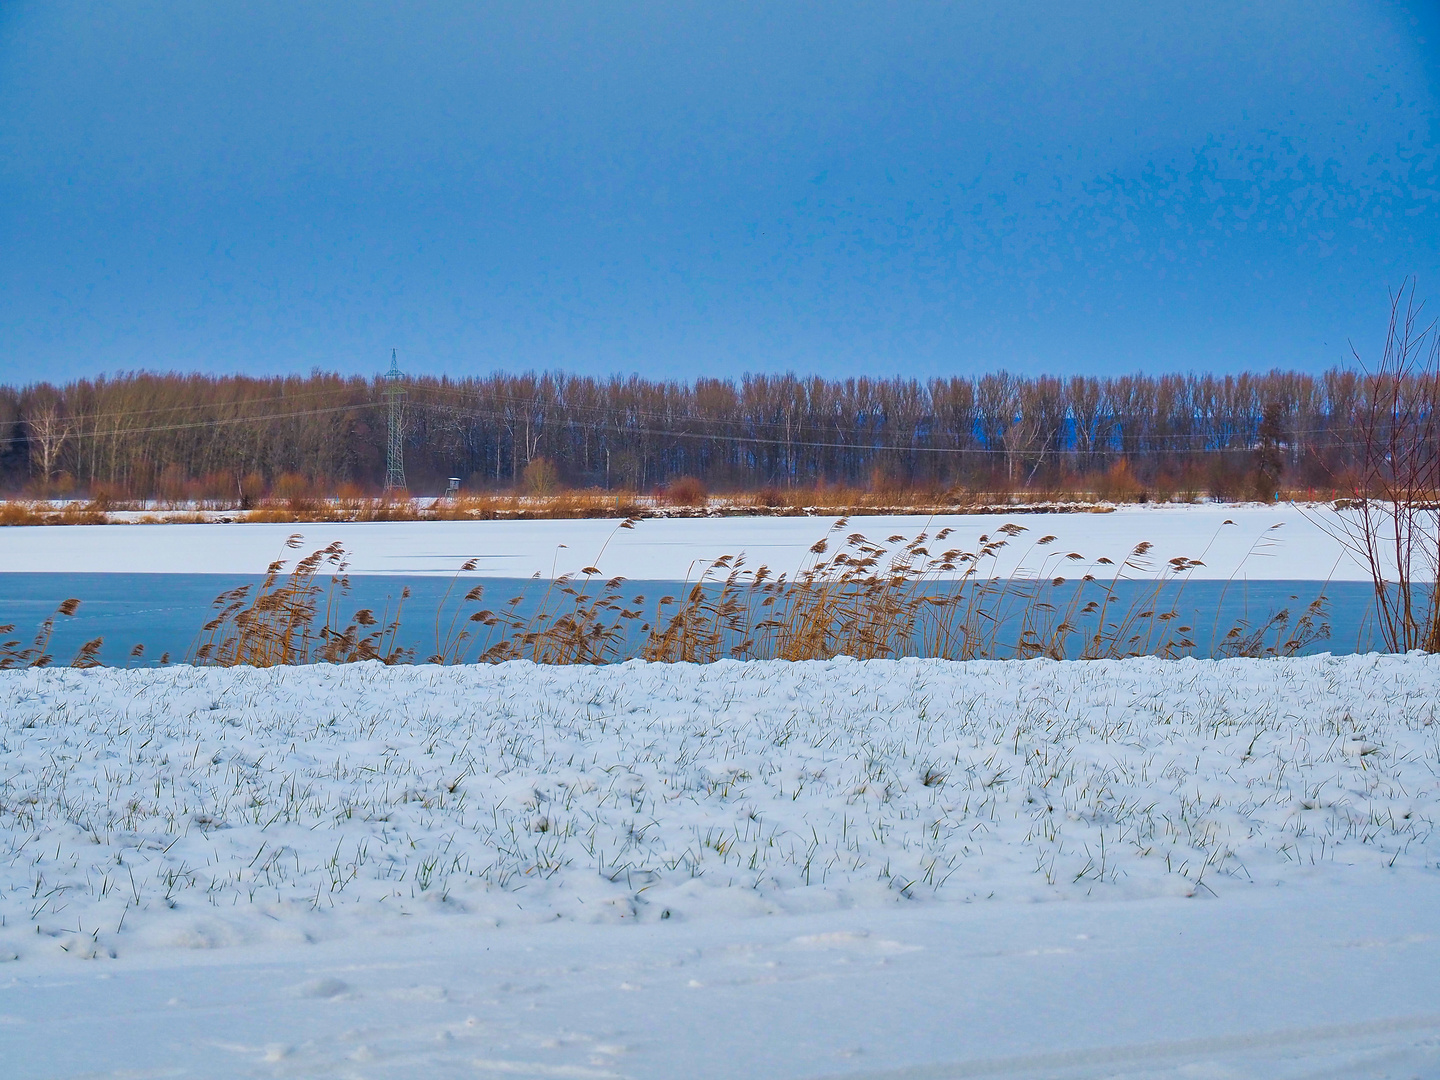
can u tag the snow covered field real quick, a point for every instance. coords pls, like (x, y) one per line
(672, 550)
(1138, 868)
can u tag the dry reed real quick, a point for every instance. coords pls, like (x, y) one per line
(37, 654)
(854, 597)
(867, 600)
(19, 512)
(292, 619)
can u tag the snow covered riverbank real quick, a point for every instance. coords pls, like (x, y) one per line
(191, 807)
(320, 819)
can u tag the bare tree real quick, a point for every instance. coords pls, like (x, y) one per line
(1393, 523)
(48, 429)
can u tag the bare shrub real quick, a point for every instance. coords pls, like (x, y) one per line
(541, 477)
(1119, 483)
(250, 488)
(686, 491)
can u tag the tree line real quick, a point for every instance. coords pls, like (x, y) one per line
(181, 436)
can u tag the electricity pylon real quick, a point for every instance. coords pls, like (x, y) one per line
(395, 455)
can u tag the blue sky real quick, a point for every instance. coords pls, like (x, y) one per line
(678, 188)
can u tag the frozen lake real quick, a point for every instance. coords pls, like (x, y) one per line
(153, 584)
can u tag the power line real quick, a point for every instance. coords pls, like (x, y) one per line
(667, 433)
(670, 433)
(195, 424)
(1109, 423)
(297, 395)
(671, 426)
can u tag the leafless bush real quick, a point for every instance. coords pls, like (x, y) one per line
(685, 491)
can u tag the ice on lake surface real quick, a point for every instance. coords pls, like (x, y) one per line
(889, 868)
